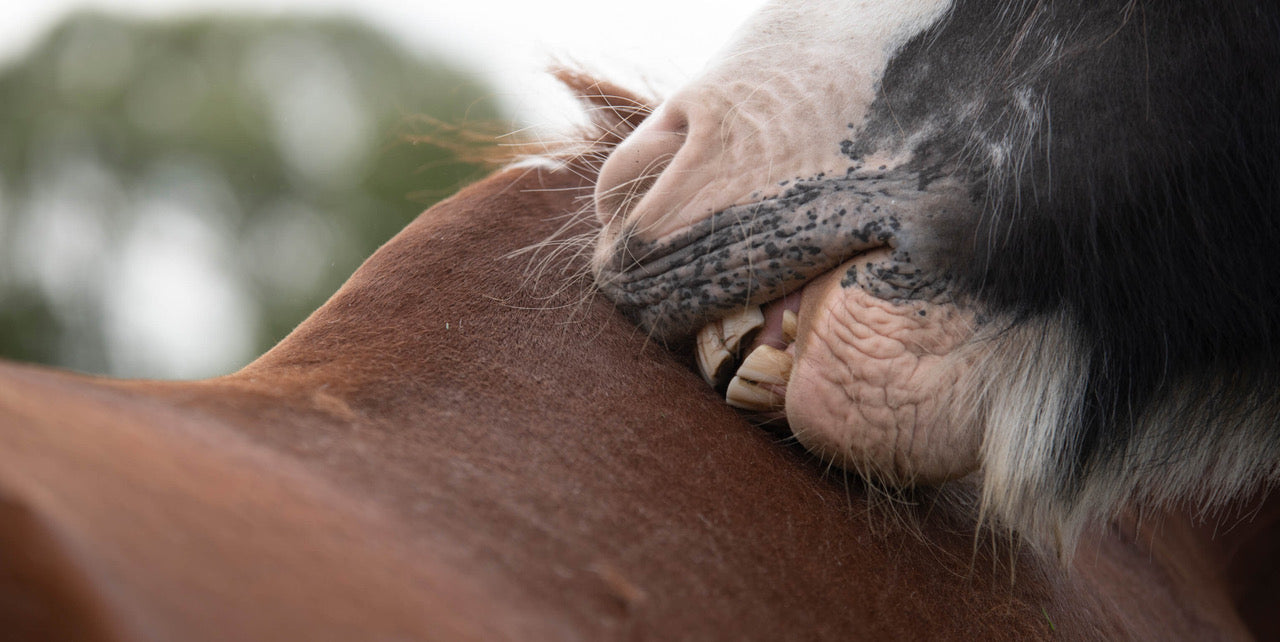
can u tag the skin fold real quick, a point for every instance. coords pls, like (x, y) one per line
(869, 371)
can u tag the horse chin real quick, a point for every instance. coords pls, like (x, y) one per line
(867, 383)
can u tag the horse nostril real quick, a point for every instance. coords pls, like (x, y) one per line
(633, 168)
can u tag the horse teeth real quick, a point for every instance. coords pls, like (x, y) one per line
(739, 325)
(766, 364)
(719, 342)
(789, 325)
(713, 357)
(749, 395)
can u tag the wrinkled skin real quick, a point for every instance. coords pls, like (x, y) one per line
(869, 371)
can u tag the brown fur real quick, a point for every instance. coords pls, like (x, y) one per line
(437, 454)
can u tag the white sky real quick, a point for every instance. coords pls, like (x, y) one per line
(507, 41)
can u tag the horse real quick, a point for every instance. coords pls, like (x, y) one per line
(451, 448)
(1028, 241)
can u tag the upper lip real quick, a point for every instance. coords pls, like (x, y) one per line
(757, 252)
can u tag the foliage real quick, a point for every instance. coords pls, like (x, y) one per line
(175, 197)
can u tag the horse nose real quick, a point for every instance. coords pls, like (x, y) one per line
(633, 168)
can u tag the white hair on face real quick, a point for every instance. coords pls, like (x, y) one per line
(1030, 386)
(1029, 380)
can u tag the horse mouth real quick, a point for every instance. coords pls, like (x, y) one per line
(747, 354)
(707, 280)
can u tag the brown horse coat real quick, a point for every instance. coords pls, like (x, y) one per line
(448, 450)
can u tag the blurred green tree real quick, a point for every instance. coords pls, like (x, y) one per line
(176, 196)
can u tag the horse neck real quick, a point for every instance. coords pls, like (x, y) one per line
(443, 290)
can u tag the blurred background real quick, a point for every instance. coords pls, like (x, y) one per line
(180, 187)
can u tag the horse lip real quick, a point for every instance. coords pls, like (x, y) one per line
(760, 251)
(673, 300)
